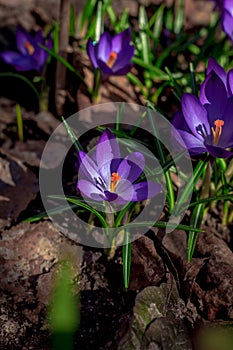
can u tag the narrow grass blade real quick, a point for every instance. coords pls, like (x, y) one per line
(160, 224)
(195, 221)
(52, 212)
(87, 207)
(224, 197)
(68, 66)
(193, 80)
(19, 122)
(88, 11)
(179, 18)
(126, 259)
(143, 24)
(119, 115)
(178, 89)
(27, 81)
(158, 23)
(197, 173)
(72, 136)
(133, 79)
(99, 26)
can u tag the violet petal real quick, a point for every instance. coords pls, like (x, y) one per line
(193, 144)
(145, 190)
(107, 148)
(123, 58)
(21, 39)
(227, 23)
(91, 51)
(216, 94)
(120, 40)
(132, 166)
(89, 190)
(19, 61)
(195, 114)
(218, 152)
(87, 166)
(104, 47)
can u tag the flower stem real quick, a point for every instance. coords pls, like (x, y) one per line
(110, 220)
(96, 85)
(19, 122)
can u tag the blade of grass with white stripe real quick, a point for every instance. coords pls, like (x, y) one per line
(72, 136)
(99, 25)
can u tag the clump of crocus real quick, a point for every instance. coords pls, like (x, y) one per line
(30, 56)
(111, 178)
(205, 124)
(112, 54)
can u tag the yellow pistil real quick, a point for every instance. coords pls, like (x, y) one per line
(111, 59)
(217, 131)
(115, 178)
(30, 48)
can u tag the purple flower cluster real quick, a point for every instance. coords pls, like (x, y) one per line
(30, 56)
(109, 177)
(205, 124)
(112, 54)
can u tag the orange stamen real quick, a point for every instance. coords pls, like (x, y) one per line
(115, 178)
(111, 59)
(29, 47)
(217, 131)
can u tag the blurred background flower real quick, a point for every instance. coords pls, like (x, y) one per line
(30, 56)
(227, 18)
(112, 54)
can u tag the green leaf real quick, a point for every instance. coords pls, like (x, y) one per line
(99, 25)
(72, 136)
(159, 224)
(158, 23)
(143, 24)
(195, 221)
(67, 65)
(223, 197)
(198, 171)
(21, 77)
(19, 122)
(179, 18)
(88, 11)
(126, 258)
(85, 206)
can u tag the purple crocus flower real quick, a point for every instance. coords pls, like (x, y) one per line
(112, 54)
(205, 124)
(108, 177)
(30, 56)
(227, 18)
